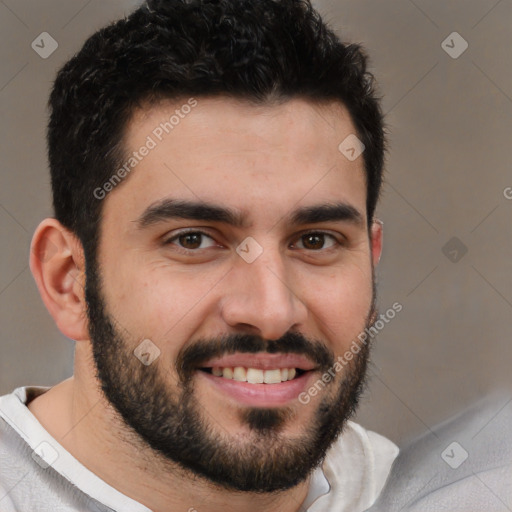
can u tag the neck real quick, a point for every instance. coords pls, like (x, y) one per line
(77, 415)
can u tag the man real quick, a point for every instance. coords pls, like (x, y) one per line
(215, 170)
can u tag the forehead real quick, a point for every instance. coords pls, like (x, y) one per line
(259, 160)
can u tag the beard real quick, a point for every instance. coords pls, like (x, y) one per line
(170, 420)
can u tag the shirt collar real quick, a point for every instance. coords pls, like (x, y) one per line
(318, 486)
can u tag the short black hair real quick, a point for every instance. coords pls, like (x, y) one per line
(260, 51)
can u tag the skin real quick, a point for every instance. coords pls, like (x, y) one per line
(261, 161)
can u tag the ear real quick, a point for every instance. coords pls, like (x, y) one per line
(58, 265)
(376, 241)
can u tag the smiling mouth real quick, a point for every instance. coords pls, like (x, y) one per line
(255, 375)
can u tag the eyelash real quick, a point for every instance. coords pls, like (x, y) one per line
(337, 243)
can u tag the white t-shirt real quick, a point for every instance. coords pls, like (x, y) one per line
(37, 474)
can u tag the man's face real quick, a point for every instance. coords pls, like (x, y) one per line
(283, 290)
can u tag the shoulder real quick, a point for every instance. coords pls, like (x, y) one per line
(464, 464)
(13, 468)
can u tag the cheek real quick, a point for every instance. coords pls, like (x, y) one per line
(340, 304)
(157, 301)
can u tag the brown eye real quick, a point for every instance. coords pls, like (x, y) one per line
(313, 241)
(191, 240)
(316, 241)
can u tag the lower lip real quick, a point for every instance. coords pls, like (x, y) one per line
(259, 395)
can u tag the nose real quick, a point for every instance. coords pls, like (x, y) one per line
(261, 298)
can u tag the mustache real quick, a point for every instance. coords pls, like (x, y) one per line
(201, 351)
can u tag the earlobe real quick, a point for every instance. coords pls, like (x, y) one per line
(376, 241)
(58, 266)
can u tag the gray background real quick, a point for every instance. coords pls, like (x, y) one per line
(450, 125)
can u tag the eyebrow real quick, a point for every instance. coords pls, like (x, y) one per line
(168, 209)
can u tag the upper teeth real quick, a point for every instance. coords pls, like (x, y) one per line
(255, 375)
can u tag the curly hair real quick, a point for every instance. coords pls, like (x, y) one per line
(259, 51)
